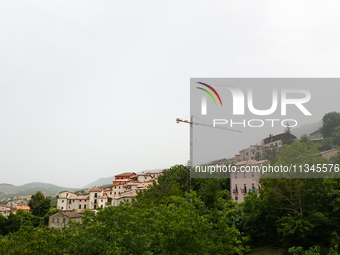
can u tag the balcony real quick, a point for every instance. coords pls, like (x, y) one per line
(235, 191)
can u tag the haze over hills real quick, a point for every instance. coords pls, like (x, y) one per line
(108, 180)
(9, 190)
(306, 129)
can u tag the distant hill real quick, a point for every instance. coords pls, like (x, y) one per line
(9, 190)
(100, 182)
(306, 129)
(108, 180)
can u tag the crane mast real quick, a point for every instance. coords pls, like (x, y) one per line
(190, 162)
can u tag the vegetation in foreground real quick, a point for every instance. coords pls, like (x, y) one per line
(301, 216)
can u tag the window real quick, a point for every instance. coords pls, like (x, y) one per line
(73, 200)
(236, 198)
(79, 206)
(52, 220)
(80, 200)
(95, 207)
(95, 201)
(110, 193)
(85, 200)
(62, 201)
(115, 187)
(62, 208)
(101, 206)
(115, 192)
(95, 194)
(102, 200)
(119, 187)
(57, 220)
(84, 206)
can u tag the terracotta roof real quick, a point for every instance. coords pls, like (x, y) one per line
(72, 214)
(132, 194)
(4, 209)
(317, 131)
(96, 189)
(125, 174)
(102, 196)
(69, 191)
(328, 151)
(22, 207)
(122, 180)
(132, 184)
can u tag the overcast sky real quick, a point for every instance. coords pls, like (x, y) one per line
(90, 89)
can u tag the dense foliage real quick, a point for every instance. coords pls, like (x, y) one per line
(300, 215)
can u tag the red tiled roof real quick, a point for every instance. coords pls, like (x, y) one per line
(125, 174)
(69, 191)
(102, 196)
(21, 207)
(96, 189)
(122, 180)
(4, 209)
(132, 194)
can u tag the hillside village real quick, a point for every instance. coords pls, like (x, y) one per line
(125, 186)
(254, 155)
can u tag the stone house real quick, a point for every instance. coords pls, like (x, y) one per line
(61, 219)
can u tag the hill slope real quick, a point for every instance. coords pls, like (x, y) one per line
(306, 129)
(6, 189)
(9, 190)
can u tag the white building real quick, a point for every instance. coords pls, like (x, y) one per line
(242, 182)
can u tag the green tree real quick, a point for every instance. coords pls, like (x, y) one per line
(257, 157)
(304, 138)
(36, 199)
(41, 208)
(288, 137)
(326, 144)
(336, 136)
(330, 120)
(39, 204)
(271, 154)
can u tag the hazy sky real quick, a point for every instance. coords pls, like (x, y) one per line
(91, 89)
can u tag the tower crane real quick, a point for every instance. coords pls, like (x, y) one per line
(190, 164)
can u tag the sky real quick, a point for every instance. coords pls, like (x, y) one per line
(90, 89)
